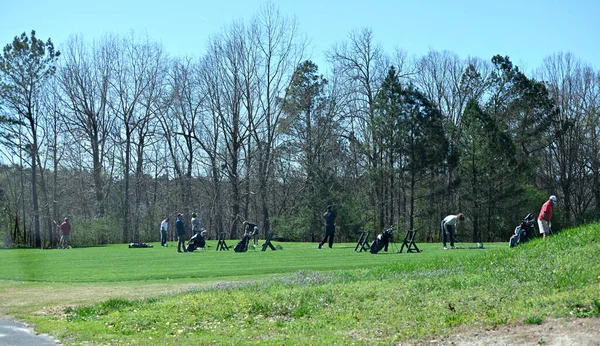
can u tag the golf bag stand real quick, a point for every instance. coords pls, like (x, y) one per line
(221, 243)
(409, 242)
(363, 242)
(267, 243)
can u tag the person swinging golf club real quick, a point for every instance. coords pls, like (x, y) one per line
(329, 217)
(449, 224)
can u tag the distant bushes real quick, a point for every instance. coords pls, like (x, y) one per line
(97, 231)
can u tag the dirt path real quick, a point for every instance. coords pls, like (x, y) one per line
(558, 332)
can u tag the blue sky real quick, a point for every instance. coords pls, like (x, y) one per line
(527, 31)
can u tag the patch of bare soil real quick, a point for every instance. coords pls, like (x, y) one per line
(18, 298)
(555, 332)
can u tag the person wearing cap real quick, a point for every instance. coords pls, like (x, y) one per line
(65, 234)
(180, 229)
(449, 224)
(545, 217)
(329, 217)
(195, 224)
(164, 226)
(252, 230)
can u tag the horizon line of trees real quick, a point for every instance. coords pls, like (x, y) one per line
(118, 135)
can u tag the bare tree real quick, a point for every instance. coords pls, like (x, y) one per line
(84, 77)
(150, 103)
(571, 87)
(53, 150)
(225, 100)
(592, 134)
(362, 65)
(208, 135)
(186, 107)
(133, 71)
(280, 50)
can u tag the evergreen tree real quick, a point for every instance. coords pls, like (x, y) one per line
(491, 174)
(411, 136)
(521, 106)
(309, 127)
(388, 130)
(25, 66)
(426, 146)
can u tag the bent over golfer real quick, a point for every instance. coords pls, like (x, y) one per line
(545, 217)
(449, 226)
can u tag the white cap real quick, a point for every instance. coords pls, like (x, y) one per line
(553, 199)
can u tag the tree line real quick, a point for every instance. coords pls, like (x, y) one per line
(117, 135)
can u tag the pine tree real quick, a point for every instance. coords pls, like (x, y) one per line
(25, 66)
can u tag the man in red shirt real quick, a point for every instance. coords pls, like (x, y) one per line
(65, 238)
(545, 217)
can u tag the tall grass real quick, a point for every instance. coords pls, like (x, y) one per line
(360, 299)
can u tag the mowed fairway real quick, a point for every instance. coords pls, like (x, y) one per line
(32, 278)
(299, 294)
(118, 263)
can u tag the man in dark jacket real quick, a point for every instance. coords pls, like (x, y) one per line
(180, 233)
(329, 217)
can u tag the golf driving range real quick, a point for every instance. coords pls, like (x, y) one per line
(298, 294)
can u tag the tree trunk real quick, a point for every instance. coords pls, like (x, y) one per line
(126, 227)
(34, 187)
(97, 172)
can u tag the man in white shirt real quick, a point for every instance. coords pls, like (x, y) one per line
(449, 224)
(164, 225)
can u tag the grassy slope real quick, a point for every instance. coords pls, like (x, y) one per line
(329, 296)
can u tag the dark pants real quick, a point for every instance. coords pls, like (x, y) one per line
(329, 233)
(181, 242)
(450, 230)
(163, 237)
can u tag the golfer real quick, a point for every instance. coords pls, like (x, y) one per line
(545, 217)
(329, 217)
(195, 224)
(65, 236)
(180, 229)
(449, 224)
(164, 226)
(252, 230)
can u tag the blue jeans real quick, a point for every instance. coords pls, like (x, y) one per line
(450, 230)
(163, 237)
(181, 242)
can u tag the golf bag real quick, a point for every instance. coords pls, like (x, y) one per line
(139, 245)
(197, 241)
(523, 231)
(382, 241)
(242, 246)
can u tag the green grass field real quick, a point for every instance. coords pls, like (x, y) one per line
(298, 295)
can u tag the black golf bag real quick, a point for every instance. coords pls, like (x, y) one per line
(524, 231)
(242, 246)
(139, 245)
(197, 241)
(382, 241)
